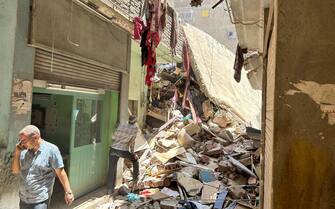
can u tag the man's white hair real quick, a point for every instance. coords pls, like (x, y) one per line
(30, 131)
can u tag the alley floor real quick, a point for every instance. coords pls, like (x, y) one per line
(90, 201)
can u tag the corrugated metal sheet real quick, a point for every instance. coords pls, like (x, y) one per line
(72, 70)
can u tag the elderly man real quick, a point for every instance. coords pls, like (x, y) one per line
(37, 162)
(122, 146)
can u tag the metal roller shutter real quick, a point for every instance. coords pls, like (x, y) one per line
(73, 70)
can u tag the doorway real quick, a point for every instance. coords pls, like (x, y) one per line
(52, 115)
(74, 122)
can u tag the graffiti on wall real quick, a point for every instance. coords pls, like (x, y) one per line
(21, 96)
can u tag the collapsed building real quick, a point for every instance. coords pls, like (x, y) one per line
(202, 146)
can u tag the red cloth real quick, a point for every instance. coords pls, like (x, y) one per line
(154, 33)
(138, 28)
(151, 67)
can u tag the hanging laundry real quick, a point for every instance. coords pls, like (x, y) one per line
(155, 23)
(239, 61)
(144, 48)
(138, 28)
(174, 33)
(164, 9)
(155, 13)
(151, 67)
(186, 61)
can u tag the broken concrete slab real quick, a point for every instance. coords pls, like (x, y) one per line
(187, 157)
(170, 192)
(209, 192)
(184, 139)
(191, 185)
(222, 121)
(190, 171)
(164, 157)
(192, 129)
(169, 204)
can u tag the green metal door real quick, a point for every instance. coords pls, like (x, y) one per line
(87, 167)
(93, 120)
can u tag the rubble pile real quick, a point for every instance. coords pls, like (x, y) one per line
(201, 157)
(196, 3)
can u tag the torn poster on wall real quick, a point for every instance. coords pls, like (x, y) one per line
(322, 94)
(21, 96)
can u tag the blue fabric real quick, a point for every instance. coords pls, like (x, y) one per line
(38, 172)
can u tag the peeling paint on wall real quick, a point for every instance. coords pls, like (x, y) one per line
(322, 94)
(21, 96)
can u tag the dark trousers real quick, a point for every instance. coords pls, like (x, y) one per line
(41, 205)
(114, 156)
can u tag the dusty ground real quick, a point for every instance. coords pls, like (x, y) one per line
(89, 201)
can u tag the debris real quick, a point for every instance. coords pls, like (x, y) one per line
(164, 157)
(220, 199)
(191, 185)
(209, 192)
(252, 181)
(222, 121)
(156, 205)
(201, 155)
(187, 157)
(241, 166)
(207, 108)
(184, 139)
(170, 192)
(159, 196)
(169, 204)
(190, 171)
(226, 167)
(232, 205)
(133, 197)
(206, 176)
(237, 192)
(123, 190)
(192, 129)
